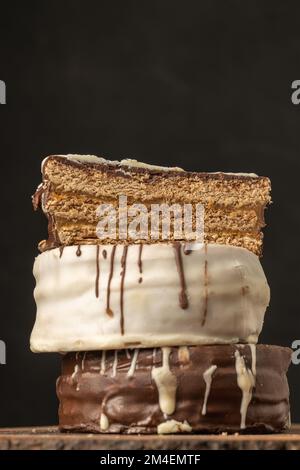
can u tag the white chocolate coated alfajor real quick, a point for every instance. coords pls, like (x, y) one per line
(95, 297)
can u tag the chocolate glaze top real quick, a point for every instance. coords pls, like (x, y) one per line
(123, 169)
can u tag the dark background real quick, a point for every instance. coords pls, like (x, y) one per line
(201, 84)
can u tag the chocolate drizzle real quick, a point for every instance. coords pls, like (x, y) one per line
(97, 272)
(111, 273)
(78, 251)
(183, 300)
(123, 266)
(205, 287)
(104, 254)
(53, 239)
(186, 250)
(140, 262)
(36, 198)
(61, 250)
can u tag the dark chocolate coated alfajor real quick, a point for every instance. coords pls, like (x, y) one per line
(218, 388)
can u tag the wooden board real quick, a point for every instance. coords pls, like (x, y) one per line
(42, 438)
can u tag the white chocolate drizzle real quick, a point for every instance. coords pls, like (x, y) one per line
(289, 421)
(128, 354)
(83, 361)
(133, 363)
(166, 384)
(183, 354)
(153, 355)
(246, 382)
(103, 359)
(115, 364)
(207, 376)
(172, 426)
(253, 359)
(74, 375)
(104, 423)
(127, 162)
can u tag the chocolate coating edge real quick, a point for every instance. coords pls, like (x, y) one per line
(131, 404)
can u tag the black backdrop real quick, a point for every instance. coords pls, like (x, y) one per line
(204, 85)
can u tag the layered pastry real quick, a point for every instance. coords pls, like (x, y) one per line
(158, 335)
(74, 186)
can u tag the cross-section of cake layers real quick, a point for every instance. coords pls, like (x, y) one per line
(74, 187)
(95, 297)
(167, 390)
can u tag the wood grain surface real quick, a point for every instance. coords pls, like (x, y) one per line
(43, 438)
